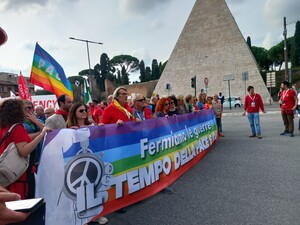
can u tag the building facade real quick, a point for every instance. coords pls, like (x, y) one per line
(9, 82)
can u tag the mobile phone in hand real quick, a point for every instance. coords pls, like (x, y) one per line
(27, 205)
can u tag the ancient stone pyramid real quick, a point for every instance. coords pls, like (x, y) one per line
(211, 45)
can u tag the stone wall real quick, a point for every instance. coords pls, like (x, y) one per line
(145, 88)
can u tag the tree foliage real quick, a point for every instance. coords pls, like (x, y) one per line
(105, 65)
(87, 72)
(74, 79)
(148, 73)
(249, 42)
(130, 63)
(124, 76)
(142, 71)
(124, 65)
(295, 56)
(262, 57)
(102, 70)
(155, 70)
(276, 53)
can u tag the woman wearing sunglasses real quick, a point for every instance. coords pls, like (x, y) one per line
(78, 116)
(173, 106)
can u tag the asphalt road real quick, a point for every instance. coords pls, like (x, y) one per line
(241, 181)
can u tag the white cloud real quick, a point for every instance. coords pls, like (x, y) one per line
(275, 10)
(140, 7)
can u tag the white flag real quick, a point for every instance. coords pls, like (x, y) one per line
(87, 94)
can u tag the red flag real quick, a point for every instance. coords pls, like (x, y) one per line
(23, 89)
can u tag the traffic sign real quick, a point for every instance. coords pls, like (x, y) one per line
(271, 79)
(228, 77)
(206, 81)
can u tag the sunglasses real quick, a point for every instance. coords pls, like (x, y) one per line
(28, 108)
(141, 100)
(82, 110)
(172, 103)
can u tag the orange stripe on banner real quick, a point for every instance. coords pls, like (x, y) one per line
(165, 180)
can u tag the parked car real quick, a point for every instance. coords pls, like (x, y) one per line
(235, 102)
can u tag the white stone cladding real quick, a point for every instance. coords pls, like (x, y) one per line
(211, 45)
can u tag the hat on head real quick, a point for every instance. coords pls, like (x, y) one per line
(3, 36)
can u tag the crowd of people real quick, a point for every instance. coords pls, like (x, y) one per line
(33, 123)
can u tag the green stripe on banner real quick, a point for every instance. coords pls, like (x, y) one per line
(123, 165)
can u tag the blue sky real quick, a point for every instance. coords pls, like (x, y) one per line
(142, 28)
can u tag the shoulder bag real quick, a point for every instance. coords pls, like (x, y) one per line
(12, 164)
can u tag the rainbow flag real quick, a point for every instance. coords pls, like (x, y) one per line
(48, 74)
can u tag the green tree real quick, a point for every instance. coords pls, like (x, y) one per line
(111, 77)
(295, 56)
(249, 42)
(87, 72)
(98, 77)
(105, 65)
(155, 70)
(124, 76)
(75, 79)
(276, 53)
(101, 71)
(262, 57)
(142, 71)
(130, 63)
(148, 73)
(119, 80)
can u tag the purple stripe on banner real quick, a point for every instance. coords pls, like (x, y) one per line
(110, 129)
(113, 129)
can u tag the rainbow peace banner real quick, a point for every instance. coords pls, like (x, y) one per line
(93, 171)
(48, 74)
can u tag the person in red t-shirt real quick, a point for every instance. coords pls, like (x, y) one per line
(288, 101)
(97, 114)
(253, 102)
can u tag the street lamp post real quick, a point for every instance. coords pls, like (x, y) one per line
(286, 75)
(88, 54)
